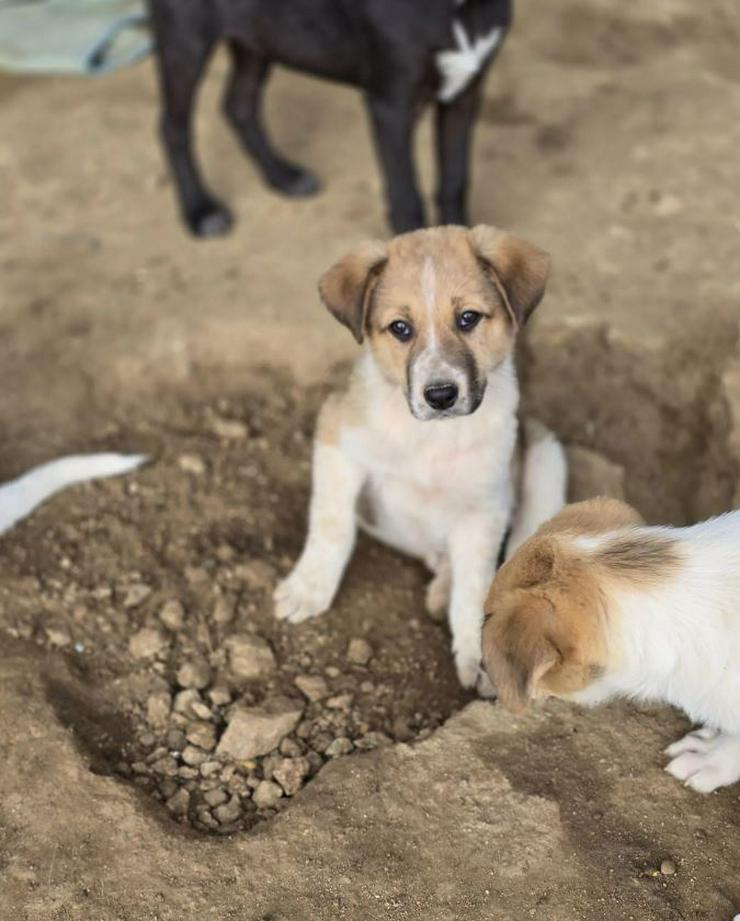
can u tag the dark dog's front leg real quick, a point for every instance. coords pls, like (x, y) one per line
(242, 105)
(393, 130)
(455, 123)
(183, 49)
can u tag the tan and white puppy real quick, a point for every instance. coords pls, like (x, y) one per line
(418, 450)
(597, 605)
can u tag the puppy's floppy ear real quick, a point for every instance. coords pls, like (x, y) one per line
(517, 268)
(517, 653)
(347, 286)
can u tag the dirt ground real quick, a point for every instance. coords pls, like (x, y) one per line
(609, 136)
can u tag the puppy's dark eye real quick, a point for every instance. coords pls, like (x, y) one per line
(468, 320)
(402, 330)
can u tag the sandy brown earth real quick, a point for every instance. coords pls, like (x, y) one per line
(609, 136)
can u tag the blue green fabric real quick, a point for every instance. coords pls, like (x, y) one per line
(72, 36)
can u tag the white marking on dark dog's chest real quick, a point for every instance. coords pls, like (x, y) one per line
(459, 66)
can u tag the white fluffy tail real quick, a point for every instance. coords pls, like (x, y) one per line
(20, 497)
(544, 483)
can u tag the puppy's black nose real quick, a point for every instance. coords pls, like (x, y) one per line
(441, 396)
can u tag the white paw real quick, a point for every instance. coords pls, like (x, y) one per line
(705, 760)
(467, 663)
(305, 593)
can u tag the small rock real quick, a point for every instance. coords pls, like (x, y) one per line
(290, 748)
(172, 614)
(215, 797)
(311, 686)
(228, 812)
(175, 740)
(321, 742)
(332, 671)
(59, 638)
(166, 767)
(228, 429)
(254, 731)
(191, 463)
(136, 594)
(257, 574)
(179, 804)
(158, 707)
(359, 651)
(223, 610)
(267, 795)
(250, 657)
(147, 643)
(210, 768)
(340, 746)
(202, 734)
(372, 740)
(290, 774)
(668, 867)
(168, 788)
(315, 761)
(193, 756)
(195, 674)
(220, 695)
(340, 702)
(186, 700)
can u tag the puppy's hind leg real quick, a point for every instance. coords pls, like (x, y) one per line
(184, 40)
(310, 588)
(243, 108)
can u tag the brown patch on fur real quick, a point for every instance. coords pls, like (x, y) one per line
(544, 629)
(639, 557)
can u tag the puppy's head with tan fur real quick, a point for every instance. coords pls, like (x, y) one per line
(439, 308)
(547, 630)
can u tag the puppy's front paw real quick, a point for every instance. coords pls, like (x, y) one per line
(303, 594)
(705, 760)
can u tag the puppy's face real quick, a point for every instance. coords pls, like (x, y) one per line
(440, 309)
(544, 632)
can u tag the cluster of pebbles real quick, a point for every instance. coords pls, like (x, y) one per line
(219, 756)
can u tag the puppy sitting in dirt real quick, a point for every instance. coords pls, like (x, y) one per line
(419, 450)
(596, 605)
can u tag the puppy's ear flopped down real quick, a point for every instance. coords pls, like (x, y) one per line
(347, 287)
(518, 269)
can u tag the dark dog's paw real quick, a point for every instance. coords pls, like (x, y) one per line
(210, 220)
(294, 182)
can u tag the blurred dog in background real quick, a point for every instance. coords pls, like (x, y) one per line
(402, 54)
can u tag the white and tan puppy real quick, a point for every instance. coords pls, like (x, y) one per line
(597, 605)
(419, 449)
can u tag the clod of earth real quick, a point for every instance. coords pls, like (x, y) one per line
(250, 657)
(254, 731)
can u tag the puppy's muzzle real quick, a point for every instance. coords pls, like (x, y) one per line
(441, 396)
